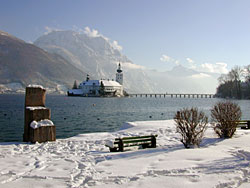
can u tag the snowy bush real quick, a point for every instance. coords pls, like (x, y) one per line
(191, 124)
(225, 116)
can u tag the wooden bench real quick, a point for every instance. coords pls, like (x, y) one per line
(244, 124)
(143, 141)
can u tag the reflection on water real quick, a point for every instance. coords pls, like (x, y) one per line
(76, 115)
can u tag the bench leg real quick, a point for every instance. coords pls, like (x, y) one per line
(145, 146)
(120, 144)
(153, 142)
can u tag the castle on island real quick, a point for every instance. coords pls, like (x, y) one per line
(100, 88)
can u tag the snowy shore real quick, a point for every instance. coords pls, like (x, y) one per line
(84, 161)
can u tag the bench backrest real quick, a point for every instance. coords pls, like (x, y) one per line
(135, 139)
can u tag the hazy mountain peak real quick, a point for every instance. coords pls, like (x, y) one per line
(96, 55)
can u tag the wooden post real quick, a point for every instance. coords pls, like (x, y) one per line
(35, 96)
(35, 111)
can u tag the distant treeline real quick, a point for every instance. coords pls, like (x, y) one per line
(235, 84)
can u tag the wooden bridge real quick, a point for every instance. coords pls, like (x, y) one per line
(172, 95)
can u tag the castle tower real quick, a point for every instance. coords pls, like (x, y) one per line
(119, 75)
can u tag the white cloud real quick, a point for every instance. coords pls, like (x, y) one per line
(177, 62)
(191, 63)
(200, 75)
(165, 58)
(94, 33)
(50, 29)
(131, 65)
(219, 67)
(91, 33)
(115, 45)
(189, 60)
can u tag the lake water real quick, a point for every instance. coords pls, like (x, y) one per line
(77, 115)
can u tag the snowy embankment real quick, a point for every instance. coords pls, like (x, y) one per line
(84, 161)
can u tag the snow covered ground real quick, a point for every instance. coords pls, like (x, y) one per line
(84, 161)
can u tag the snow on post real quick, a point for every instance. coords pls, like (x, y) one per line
(45, 122)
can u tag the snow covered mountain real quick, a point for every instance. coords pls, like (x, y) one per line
(97, 56)
(22, 64)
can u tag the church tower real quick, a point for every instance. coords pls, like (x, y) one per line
(119, 75)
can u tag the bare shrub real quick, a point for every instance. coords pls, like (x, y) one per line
(191, 124)
(225, 116)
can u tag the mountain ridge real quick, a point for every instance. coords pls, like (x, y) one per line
(58, 58)
(24, 63)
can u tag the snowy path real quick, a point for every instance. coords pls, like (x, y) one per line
(84, 161)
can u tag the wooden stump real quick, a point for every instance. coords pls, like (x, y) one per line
(35, 111)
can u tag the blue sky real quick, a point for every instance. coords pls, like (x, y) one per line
(212, 35)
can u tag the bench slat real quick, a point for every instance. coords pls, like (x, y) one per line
(136, 137)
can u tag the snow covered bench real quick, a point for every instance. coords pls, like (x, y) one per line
(143, 141)
(244, 124)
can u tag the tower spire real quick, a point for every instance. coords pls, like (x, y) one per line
(119, 70)
(119, 74)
